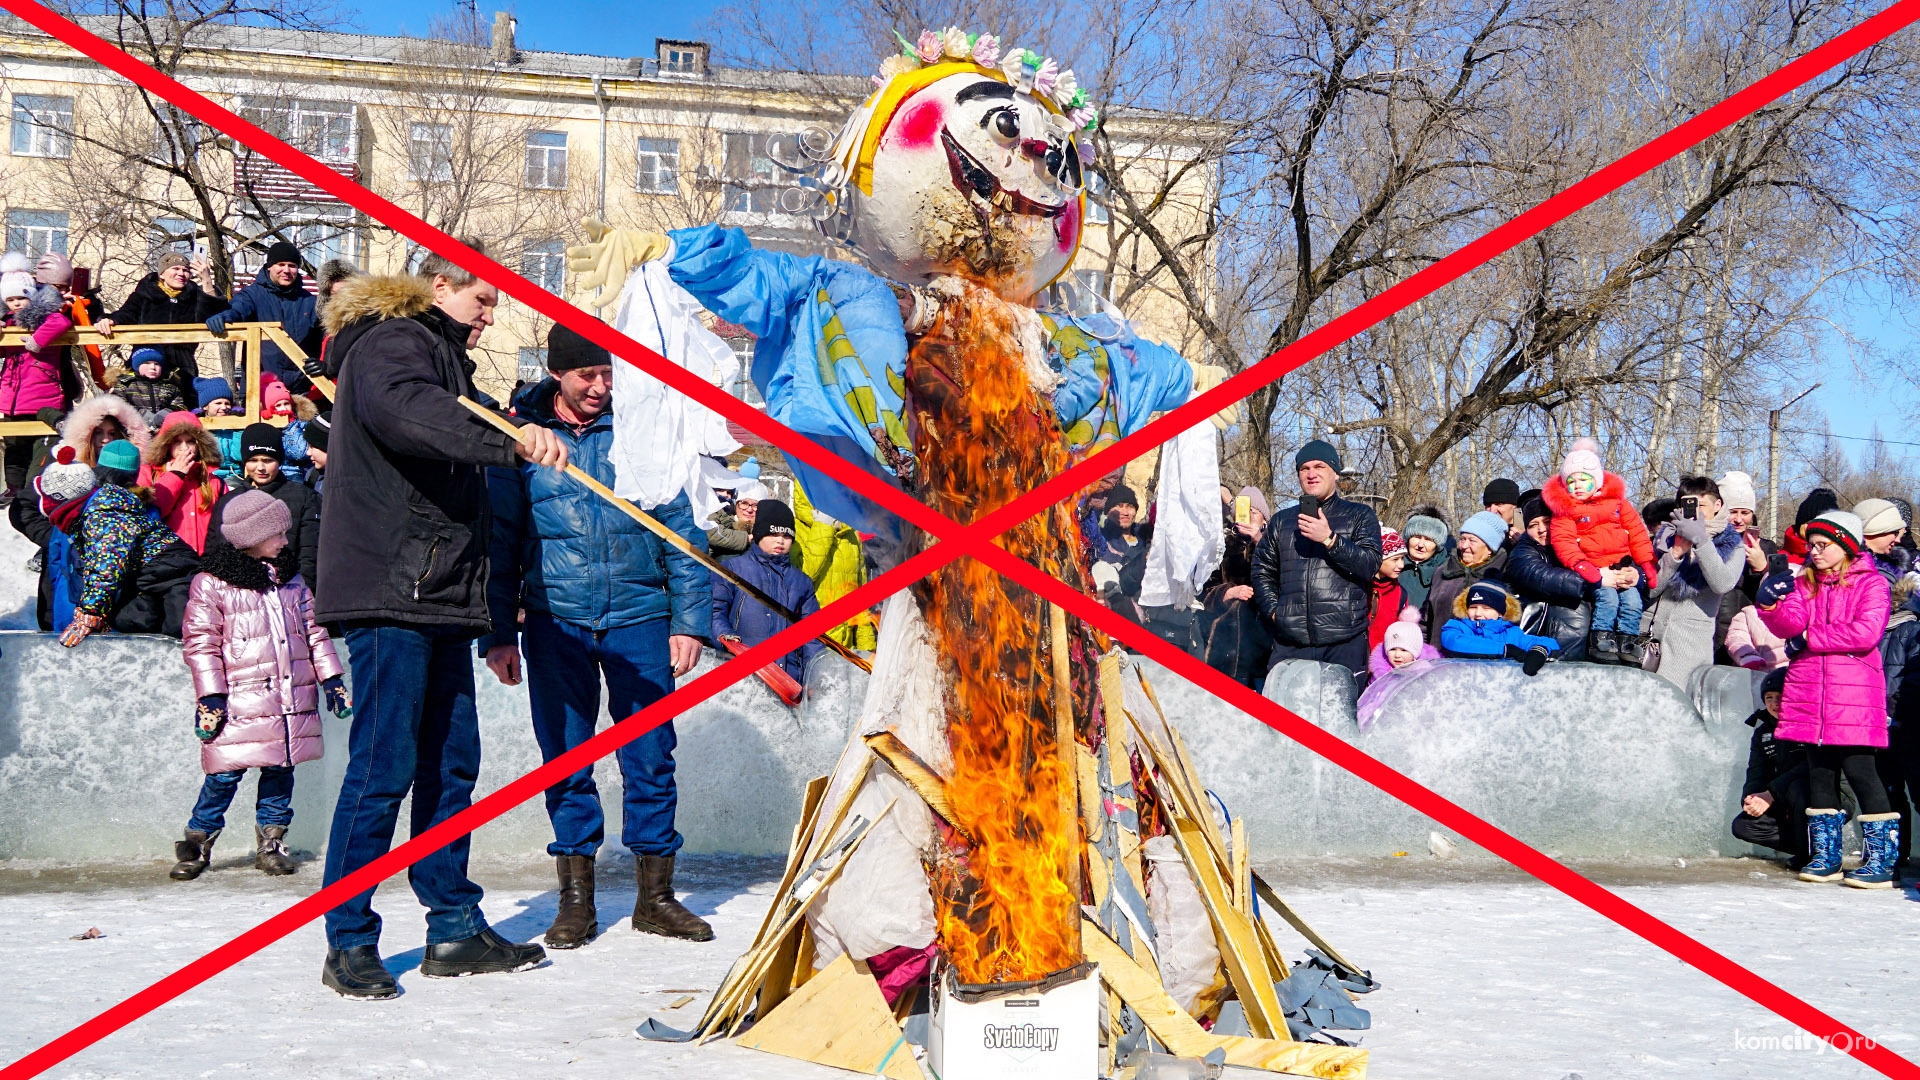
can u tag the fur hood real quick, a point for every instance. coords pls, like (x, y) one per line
(1513, 607)
(160, 448)
(390, 296)
(1562, 503)
(89, 414)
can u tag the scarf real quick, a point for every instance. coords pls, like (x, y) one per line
(172, 293)
(65, 515)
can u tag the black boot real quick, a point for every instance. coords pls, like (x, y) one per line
(1605, 648)
(656, 911)
(577, 921)
(482, 954)
(358, 973)
(194, 853)
(1633, 649)
(270, 850)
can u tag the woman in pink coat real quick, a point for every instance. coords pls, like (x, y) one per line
(1836, 694)
(260, 666)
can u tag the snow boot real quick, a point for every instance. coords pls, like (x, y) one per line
(358, 973)
(656, 911)
(484, 953)
(577, 922)
(1633, 649)
(1605, 648)
(193, 853)
(270, 850)
(1882, 833)
(1823, 840)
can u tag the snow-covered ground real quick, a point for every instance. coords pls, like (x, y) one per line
(18, 588)
(1485, 973)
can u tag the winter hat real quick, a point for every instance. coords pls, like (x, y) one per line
(178, 416)
(1121, 495)
(148, 356)
(1736, 490)
(205, 390)
(752, 491)
(1818, 501)
(15, 261)
(1502, 490)
(1430, 527)
(1775, 682)
(119, 454)
(749, 468)
(1390, 543)
(53, 269)
(258, 439)
(567, 350)
(317, 431)
(1488, 526)
(1583, 458)
(1878, 517)
(273, 393)
(65, 478)
(1489, 592)
(1258, 498)
(1404, 633)
(773, 518)
(1317, 450)
(280, 251)
(15, 283)
(1535, 507)
(252, 517)
(170, 260)
(1840, 527)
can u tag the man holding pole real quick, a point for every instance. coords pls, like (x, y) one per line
(603, 598)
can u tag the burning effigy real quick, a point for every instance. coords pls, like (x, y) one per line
(1014, 869)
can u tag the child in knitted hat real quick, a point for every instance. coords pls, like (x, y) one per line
(133, 569)
(260, 667)
(148, 389)
(743, 621)
(1486, 626)
(1599, 535)
(1402, 654)
(1388, 596)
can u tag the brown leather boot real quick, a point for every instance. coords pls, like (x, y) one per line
(577, 922)
(656, 911)
(270, 850)
(193, 853)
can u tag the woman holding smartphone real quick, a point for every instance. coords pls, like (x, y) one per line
(1701, 559)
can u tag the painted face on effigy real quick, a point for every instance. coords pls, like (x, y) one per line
(974, 178)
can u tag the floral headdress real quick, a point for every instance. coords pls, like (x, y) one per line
(1026, 70)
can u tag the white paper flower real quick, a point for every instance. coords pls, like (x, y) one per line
(1064, 85)
(896, 64)
(1013, 65)
(953, 43)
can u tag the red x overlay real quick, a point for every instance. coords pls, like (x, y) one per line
(977, 540)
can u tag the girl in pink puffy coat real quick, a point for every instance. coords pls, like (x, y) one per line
(1833, 616)
(260, 669)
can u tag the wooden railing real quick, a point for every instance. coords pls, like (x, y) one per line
(248, 336)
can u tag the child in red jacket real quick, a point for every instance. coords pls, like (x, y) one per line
(1599, 535)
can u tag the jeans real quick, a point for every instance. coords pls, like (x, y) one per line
(1616, 609)
(414, 728)
(565, 662)
(272, 799)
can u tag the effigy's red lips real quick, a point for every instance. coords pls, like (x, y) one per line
(969, 175)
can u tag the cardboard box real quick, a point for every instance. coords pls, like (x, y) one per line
(1050, 1030)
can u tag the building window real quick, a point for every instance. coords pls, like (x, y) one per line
(1098, 213)
(756, 183)
(546, 159)
(37, 232)
(680, 57)
(532, 366)
(657, 171)
(42, 125)
(321, 231)
(430, 152)
(324, 129)
(545, 264)
(1096, 282)
(171, 234)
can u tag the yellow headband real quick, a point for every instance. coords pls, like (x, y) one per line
(887, 100)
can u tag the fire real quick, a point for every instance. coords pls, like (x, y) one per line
(1008, 905)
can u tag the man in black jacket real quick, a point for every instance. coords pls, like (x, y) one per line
(1313, 574)
(403, 559)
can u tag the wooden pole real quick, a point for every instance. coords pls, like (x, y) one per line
(1773, 462)
(653, 525)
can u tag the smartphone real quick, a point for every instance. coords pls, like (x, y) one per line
(82, 281)
(1309, 506)
(1777, 563)
(1690, 507)
(1243, 509)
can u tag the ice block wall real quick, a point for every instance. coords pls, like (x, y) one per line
(97, 758)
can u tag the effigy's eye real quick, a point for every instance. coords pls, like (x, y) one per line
(1005, 121)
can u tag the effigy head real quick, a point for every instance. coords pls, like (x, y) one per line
(969, 162)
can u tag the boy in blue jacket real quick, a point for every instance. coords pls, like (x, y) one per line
(746, 620)
(1486, 626)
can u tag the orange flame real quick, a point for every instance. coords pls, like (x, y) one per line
(1006, 909)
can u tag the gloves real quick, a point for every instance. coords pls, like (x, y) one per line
(315, 367)
(338, 702)
(209, 716)
(1773, 589)
(1531, 660)
(604, 260)
(84, 623)
(1796, 645)
(1106, 578)
(1692, 530)
(217, 325)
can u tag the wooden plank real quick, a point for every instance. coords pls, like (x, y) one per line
(1265, 892)
(24, 429)
(1246, 962)
(250, 337)
(1295, 1058)
(929, 785)
(1066, 744)
(296, 354)
(1242, 889)
(838, 1019)
(148, 334)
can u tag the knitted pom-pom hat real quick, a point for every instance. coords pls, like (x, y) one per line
(1405, 632)
(1583, 458)
(1841, 527)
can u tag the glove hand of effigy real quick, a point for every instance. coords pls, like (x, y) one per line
(82, 625)
(209, 716)
(1205, 378)
(338, 702)
(609, 254)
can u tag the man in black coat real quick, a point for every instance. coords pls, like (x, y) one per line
(1313, 574)
(168, 295)
(403, 561)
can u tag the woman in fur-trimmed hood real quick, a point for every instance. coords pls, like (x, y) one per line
(98, 421)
